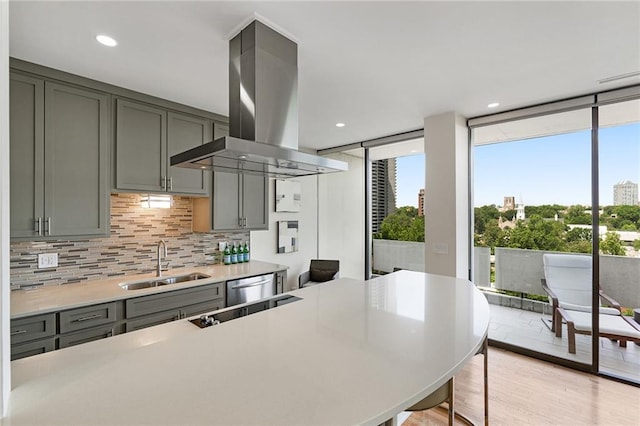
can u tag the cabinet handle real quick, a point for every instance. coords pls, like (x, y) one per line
(90, 317)
(13, 333)
(38, 223)
(48, 224)
(111, 332)
(170, 184)
(244, 222)
(163, 183)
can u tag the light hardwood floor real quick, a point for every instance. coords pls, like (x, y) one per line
(526, 391)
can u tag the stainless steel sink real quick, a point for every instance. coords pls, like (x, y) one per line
(157, 282)
(183, 278)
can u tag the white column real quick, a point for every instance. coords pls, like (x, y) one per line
(5, 354)
(341, 216)
(446, 200)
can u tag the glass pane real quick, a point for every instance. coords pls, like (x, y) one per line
(619, 174)
(532, 216)
(397, 207)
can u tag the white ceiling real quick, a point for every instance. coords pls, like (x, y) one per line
(379, 67)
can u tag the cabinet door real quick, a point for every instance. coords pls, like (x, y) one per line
(201, 308)
(32, 348)
(186, 132)
(85, 336)
(226, 201)
(76, 197)
(141, 141)
(151, 320)
(255, 204)
(26, 155)
(172, 300)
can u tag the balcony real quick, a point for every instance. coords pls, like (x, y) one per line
(519, 321)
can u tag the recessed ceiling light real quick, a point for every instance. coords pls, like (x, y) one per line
(493, 104)
(106, 40)
(339, 124)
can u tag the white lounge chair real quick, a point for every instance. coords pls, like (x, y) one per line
(568, 283)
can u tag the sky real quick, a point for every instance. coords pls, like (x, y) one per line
(548, 170)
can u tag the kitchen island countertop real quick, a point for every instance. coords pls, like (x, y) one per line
(44, 299)
(349, 352)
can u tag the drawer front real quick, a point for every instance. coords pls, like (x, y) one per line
(172, 300)
(32, 328)
(85, 336)
(90, 316)
(151, 320)
(32, 348)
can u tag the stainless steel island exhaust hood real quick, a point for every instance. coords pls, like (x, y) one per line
(263, 113)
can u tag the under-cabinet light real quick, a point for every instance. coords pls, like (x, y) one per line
(151, 201)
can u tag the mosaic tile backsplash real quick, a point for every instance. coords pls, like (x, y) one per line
(131, 247)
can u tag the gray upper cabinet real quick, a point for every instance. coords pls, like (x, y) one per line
(76, 200)
(186, 132)
(239, 201)
(27, 155)
(59, 157)
(141, 141)
(146, 138)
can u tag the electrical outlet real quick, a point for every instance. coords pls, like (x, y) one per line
(47, 260)
(222, 245)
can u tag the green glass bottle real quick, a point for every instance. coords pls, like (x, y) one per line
(246, 251)
(234, 254)
(226, 255)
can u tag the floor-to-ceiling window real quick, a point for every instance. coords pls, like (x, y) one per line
(619, 223)
(536, 215)
(397, 206)
(532, 199)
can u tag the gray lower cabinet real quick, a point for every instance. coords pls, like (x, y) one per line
(172, 315)
(59, 147)
(86, 324)
(33, 335)
(146, 138)
(47, 332)
(238, 201)
(87, 317)
(85, 336)
(36, 347)
(145, 311)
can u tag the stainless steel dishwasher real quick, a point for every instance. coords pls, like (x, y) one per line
(250, 289)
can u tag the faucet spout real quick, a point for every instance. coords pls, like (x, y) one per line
(162, 244)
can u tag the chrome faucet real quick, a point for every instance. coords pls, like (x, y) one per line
(161, 243)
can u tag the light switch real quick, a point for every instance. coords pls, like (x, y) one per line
(222, 245)
(47, 260)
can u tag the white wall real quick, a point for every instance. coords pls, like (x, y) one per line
(5, 376)
(341, 217)
(446, 195)
(264, 243)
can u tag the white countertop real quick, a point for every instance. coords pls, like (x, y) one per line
(46, 299)
(350, 352)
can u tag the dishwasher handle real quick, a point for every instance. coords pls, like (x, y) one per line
(252, 284)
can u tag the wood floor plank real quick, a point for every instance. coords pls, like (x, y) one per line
(526, 391)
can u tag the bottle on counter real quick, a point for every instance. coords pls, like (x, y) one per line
(226, 255)
(246, 251)
(240, 253)
(234, 254)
